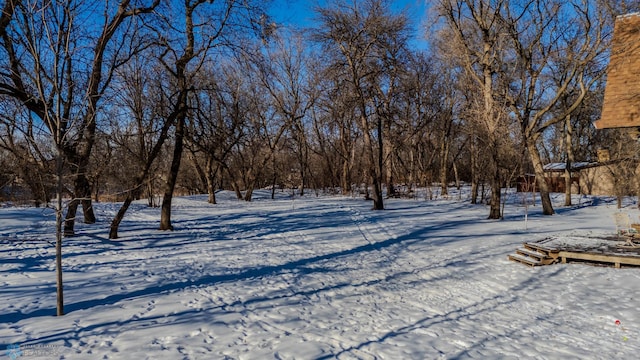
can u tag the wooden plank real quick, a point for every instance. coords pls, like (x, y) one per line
(535, 247)
(620, 106)
(536, 254)
(541, 249)
(548, 260)
(617, 260)
(533, 254)
(524, 260)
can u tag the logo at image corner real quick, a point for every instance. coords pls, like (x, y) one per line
(13, 352)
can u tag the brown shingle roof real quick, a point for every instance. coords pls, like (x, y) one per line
(622, 94)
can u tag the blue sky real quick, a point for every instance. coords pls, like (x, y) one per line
(299, 13)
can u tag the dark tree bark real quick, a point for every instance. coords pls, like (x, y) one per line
(172, 178)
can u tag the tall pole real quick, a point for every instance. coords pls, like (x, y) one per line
(59, 293)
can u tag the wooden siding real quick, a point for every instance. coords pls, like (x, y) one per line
(621, 106)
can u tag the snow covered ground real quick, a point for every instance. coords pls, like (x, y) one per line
(314, 278)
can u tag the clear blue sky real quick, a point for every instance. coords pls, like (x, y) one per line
(299, 13)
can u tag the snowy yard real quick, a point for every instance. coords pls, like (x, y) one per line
(313, 278)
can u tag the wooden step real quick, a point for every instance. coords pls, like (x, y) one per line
(532, 254)
(525, 260)
(541, 249)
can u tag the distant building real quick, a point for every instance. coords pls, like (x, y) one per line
(589, 178)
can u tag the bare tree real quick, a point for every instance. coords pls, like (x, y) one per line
(421, 107)
(61, 80)
(530, 54)
(140, 96)
(265, 131)
(205, 26)
(479, 38)
(358, 37)
(282, 70)
(559, 48)
(29, 147)
(573, 138)
(334, 133)
(218, 125)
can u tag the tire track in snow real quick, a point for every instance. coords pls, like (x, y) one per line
(371, 232)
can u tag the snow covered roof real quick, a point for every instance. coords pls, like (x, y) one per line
(575, 166)
(628, 15)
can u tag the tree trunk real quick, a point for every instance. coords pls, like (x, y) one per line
(211, 181)
(567, 183)
(202, 175)
(233, 181)
(567, 171)
(95, 188)
(70, 219)
(619, 202)
(82, 197)
(474, 173)
(151, 195)
(302, 180)
(474, 192)
(444, 166)
(165, 212)
(248, 194)
(347, 160)
(545, 198)
(142, 179)
(274, 179)
(412, 168)
(379, 169)
(456, 176)
(377, 194)
(87, 206)
(236, 188)
(249, 183)
(494, 204)
(346, 183)
(59, 285)
(115, 223)
(391, 188)
(135, 192)
(373, 174)
(59, 187)
(303, 161)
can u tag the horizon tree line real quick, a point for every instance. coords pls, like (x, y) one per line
(156, 98)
